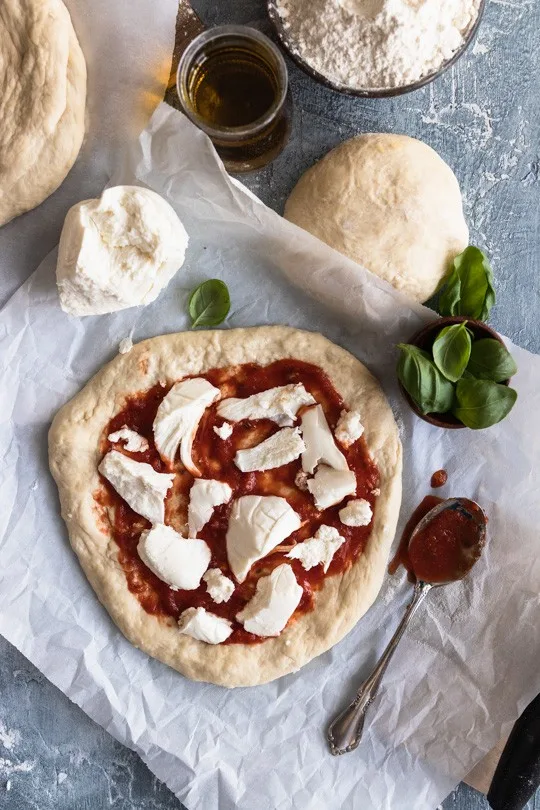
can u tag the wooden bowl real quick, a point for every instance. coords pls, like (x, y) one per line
(425, 339)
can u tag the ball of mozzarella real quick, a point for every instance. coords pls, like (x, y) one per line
(118, 251)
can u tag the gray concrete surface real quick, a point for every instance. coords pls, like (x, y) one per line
(483, 118)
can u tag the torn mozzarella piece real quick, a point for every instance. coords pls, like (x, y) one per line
(126, 345)
(140, 486)
(356, 513)
(176, 560)
(318, 549)
(204, 496)
(276, 598)
(224, 431)
(219, 586)
(258, 523)
(301, 479)
(349, 428)
(178, 417)
(281, 448)
(320, 445)
(280, 404)
(329, 486)
(204, 626)
(134, 442)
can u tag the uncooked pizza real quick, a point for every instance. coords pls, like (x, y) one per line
(232, 497)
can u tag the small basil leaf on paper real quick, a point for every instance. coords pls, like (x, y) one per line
(469, 288)
(209, 303)
(451, 350)
(482, 403)
(490, 360)
(423, 381)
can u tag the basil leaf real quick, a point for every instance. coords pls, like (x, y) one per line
(451, 350)
(469, 288)
(490, 360)
(209, 303)
(423, 381)
(482, 403)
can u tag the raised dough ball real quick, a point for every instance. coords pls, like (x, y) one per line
(42, 108)
(118, 251)
(390, 203)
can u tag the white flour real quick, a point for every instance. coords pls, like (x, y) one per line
(376, 43)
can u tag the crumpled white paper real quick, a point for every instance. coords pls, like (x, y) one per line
(469, 663)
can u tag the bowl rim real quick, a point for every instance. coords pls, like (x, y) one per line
(373, 92)
(446, 420)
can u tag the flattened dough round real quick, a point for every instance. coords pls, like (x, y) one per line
(389, 203)
(74, 455)
(42, 102)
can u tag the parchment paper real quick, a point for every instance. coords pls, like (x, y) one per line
(469, 664)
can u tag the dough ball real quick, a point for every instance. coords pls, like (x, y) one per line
(390, 203)
(42, 106)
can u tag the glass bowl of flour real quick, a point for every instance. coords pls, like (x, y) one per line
(375, 48)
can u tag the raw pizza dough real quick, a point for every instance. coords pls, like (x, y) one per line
(389, 203)
(74, 455)
(42, 103)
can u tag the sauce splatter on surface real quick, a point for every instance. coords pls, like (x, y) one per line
(439, 479)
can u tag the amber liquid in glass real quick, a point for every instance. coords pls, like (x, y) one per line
(233, 87)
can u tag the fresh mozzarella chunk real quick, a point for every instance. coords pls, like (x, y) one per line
(349, 428)
(224, 431)
(258, 523)
(219, 586)
(356, 513)
(204, 496)
(281, 448)
(126, 345)
(176, 560)
(138, 484)
(134, 442)
(204, 626)
(329, 486)
(178, 417)
(320, 445)
(276, 598)
(280, 404)
(301, 479)
(318, 549)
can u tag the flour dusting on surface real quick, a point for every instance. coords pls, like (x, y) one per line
(8, 737)
(376, 44)
(7, 767)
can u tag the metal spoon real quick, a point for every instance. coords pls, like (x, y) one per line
(345, 732)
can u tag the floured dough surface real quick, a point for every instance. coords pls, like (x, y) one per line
(74, 452)
(42, 102)
(388, 202)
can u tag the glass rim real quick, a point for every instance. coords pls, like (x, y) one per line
(216, 33)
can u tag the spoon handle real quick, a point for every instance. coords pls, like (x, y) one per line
(345, 732)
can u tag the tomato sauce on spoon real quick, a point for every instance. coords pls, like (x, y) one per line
(442, 540)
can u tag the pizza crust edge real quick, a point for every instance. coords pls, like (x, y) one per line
(74, 455)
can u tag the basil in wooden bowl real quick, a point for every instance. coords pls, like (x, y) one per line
(455, 372)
